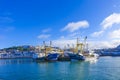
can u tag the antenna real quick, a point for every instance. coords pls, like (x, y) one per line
(85, 44)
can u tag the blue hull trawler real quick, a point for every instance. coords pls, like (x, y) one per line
(49, 57)
(80, 52)
(52, 57)
(76, 57)
(47, 53)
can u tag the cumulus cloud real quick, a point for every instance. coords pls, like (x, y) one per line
(64, 42)
(115, 34)
(111, 20)
(62, 37)
(91, 44)
(44, 36)
(100, 44)
(103, 44)
(73, 26)
(96, 34)
(108, 22)
(116, 42)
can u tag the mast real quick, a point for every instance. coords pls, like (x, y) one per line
(77, 41)
(44, 47)
(85, 44)
(77, 45)
(50, 46)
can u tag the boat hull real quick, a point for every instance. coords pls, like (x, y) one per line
(52, 57)
(76, 57)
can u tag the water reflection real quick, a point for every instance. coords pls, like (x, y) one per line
(15, 61)
(22, 69)
(91, 60)
(27, 60)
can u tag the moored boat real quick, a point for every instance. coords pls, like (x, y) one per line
(76, 57)
(91, 55)
(52, 57)
(39, 56)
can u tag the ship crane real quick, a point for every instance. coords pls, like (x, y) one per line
(79, 47)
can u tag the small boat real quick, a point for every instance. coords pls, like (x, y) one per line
(92, 54)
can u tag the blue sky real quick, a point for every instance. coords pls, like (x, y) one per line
(29, 22)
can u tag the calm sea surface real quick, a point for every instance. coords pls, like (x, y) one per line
(106, 68)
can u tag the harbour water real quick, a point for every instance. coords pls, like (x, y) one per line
(106, 68)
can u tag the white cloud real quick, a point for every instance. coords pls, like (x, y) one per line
(111, 20)
(105, 25)
(91, 44)
(46, 30)
(73, 35)
(73, 26)
(44, 36)
(108, 22)
(115, 34)
(64, 42)
(116, 42)
(100, 44)
(96, 34)
(62, 37)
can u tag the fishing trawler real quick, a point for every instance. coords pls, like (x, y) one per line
(53, 56)
(76, 57)
(40, 53)
(39, 56)
(89, 54)
(46, 53)
(75, 53)
(81, 52)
